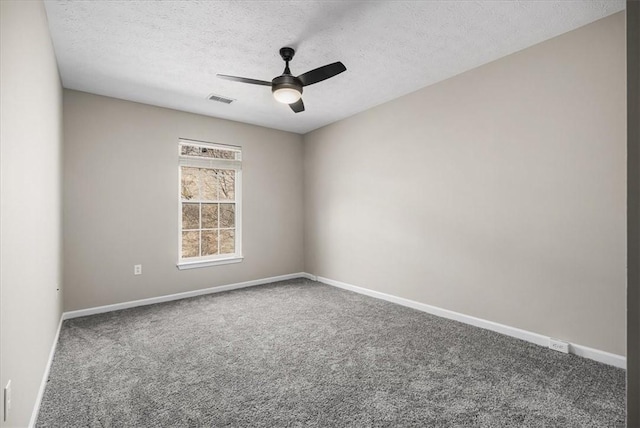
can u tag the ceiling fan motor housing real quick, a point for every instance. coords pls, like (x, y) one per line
(286, 81)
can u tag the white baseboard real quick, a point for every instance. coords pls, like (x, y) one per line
(178, 296)
(598, 355)
(45, 376)
(538, 339)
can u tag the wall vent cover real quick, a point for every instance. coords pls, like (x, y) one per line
(220, 99)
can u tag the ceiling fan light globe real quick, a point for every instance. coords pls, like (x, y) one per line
(287, 95)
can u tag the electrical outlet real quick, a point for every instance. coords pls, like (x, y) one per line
(7, 400)
(559, 345)
(137, 269)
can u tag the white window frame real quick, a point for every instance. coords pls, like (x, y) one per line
(202, 162)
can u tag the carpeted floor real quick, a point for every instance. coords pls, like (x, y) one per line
(299, 353)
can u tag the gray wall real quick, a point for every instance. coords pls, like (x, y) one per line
(31, 140)
(499, 193)
(633, 220)
(121, 201)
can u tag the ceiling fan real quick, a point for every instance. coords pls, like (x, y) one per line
(287, 88)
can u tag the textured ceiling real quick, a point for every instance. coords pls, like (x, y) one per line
(167, 53)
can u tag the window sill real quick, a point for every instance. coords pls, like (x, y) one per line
(207, 263)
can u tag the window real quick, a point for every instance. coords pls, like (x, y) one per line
(210, 210)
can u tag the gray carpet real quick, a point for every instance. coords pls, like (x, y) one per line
(299, 353)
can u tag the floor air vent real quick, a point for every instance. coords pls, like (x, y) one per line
(220, 99)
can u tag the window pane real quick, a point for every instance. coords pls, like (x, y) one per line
(227, 215)
(227, 180)
(218, 153)
(186, 150)
(209, 184)
(209, 242)
(189, 182)
(190, 216)
(227, 241)
(206, 152)
(209, 216)
(190, 244)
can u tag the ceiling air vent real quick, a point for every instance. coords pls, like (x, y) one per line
(220, 99)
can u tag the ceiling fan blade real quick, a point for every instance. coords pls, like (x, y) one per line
(244, 80)
(321, 73)
(298, 106)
